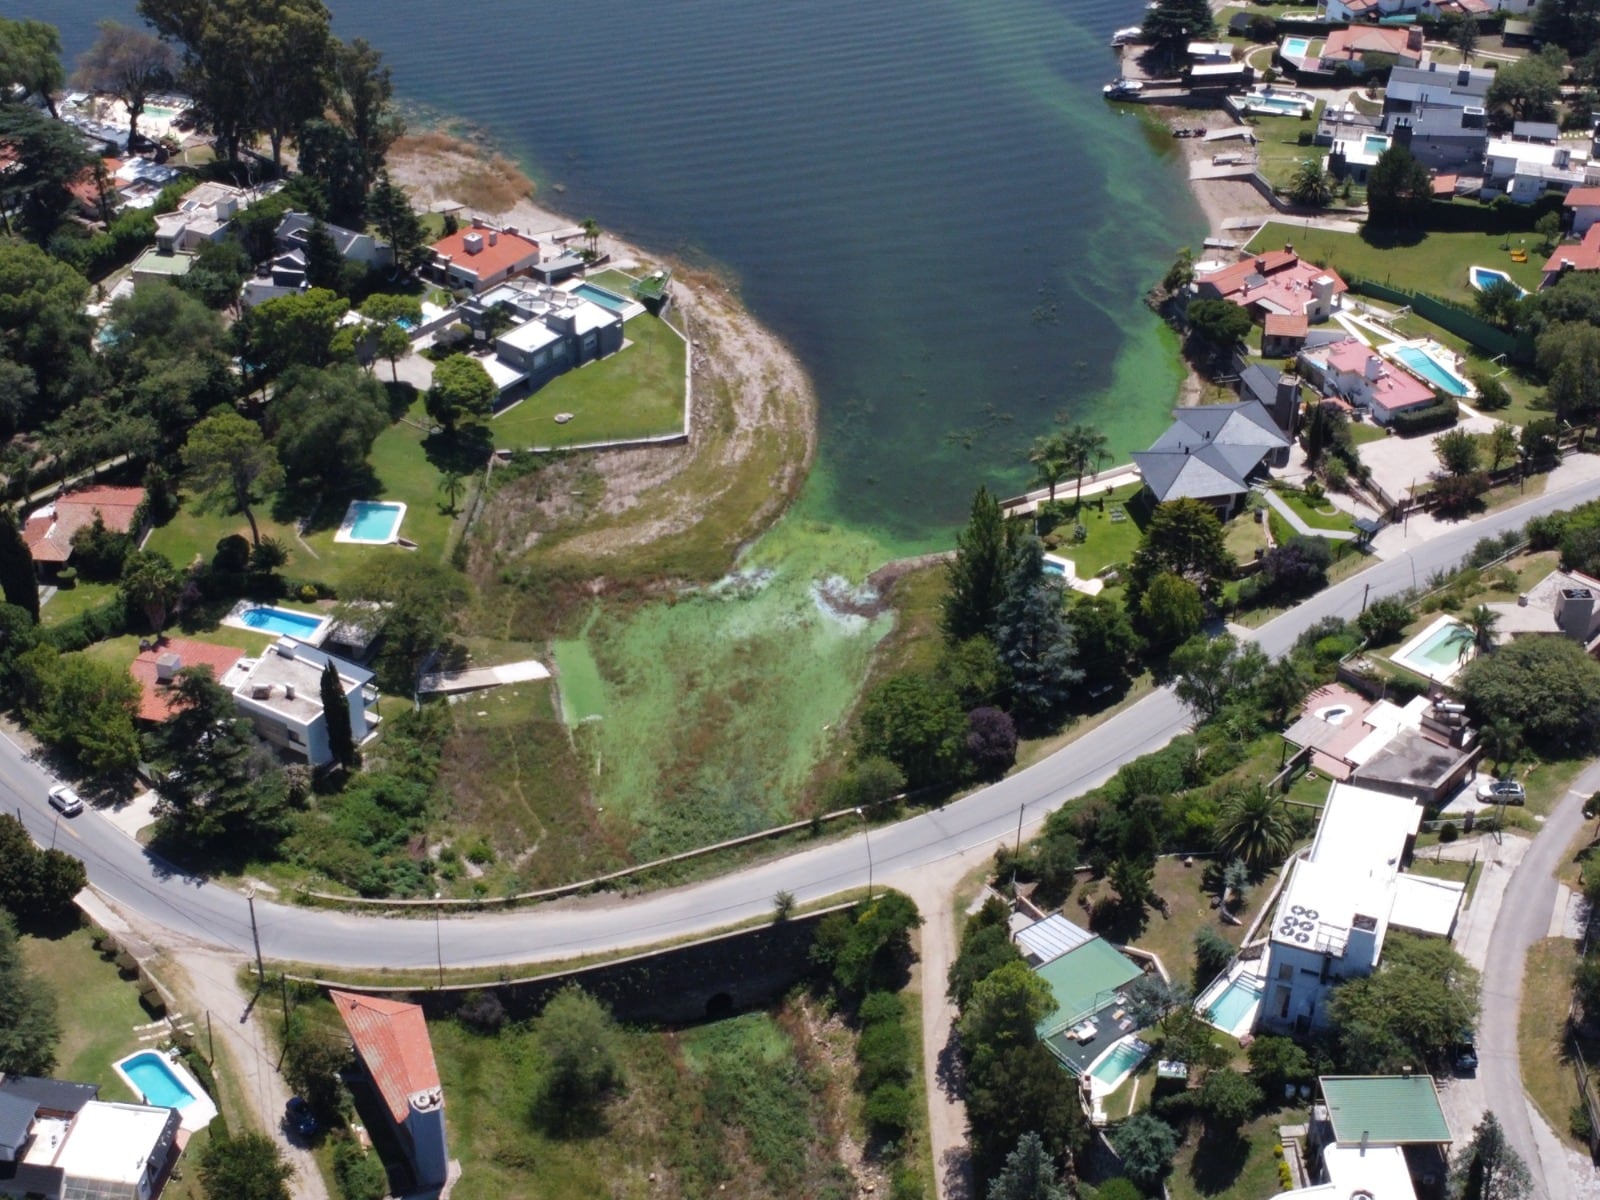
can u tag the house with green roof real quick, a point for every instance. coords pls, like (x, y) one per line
(1091, 1010)
(1382, 1135)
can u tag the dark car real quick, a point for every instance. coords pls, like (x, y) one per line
(1466, 1054)
(297, 1116)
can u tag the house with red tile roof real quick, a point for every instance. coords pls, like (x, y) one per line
(1353, 371)
(1275, 281)
(1351, 47)
(1282, 334)
(156, 669)
(48, 530)
(1585, 256)
(478, 256)
(1584, 205)
(392, 1044)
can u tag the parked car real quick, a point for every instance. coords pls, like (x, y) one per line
(65, 801)
(1502, 791)
(1466, 1054)
(299, 1117)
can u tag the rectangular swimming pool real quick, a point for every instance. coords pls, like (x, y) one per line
(282, 621)
(1420, 362)
(1439, 651)
(1295, 47)
(1375, 143)
(600, 296)
(371, 522)
(1234, 1006)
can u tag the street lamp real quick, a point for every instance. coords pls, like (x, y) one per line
(866, 833)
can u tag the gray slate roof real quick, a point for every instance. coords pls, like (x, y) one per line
(1210, 451)
(295, 226)
(16, 1119)
(1477, 82)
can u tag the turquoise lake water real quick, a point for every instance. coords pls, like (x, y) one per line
(929, 199)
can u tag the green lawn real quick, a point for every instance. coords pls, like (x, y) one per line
(1437, 264)
(1188, 911)
(1543, 1042)
(99, 1009)
(1279, 151)
(404, 468)
(75, 601)
(1317, 514)
(1362, 432)
(1244, 535)
(637, 392)
(1108, 541)
(1244, 1167)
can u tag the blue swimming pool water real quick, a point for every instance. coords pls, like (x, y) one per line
(1423, 364)
(281, 620)
(152, 1076)
(1054, 568)
(600, 296)
(374, 521)
(1296, 47)
(405, 323)
(1483, 277)
(1278, 104)
(1375, 143)
(1443, 648)
(1229, 1009)
(1118, 1062)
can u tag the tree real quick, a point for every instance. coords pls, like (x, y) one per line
(1281, 687)
(1004, 1010)
(1465, 38)
(452, 485)
(870, 947)
(48, 156)
(1084, 447)
(1028, 1174)
(1501, 742)
(1033, 638)
(1457, 451)
(1528, 88)
(1171, 25)
(29, 1028)
(1048, 455)
(151, 584)
(17, 582)
(324, 263)
(1481, 623)
(30, 60)
(591, 238)
(985, 948)
(421, 599)
(1221, 322)
(1107, 647)
(1022, 1090)
(1502, 445)
(1311, 185)
(43, 331)
(1547, 688)
(1146, 1145)
(128, 63)
(1548, 227)
(916, 723)
(1253, 825)
(1276, 1062)
(313, 1057)
(1384, 620)
(580, 1047)
(323, 422)
(1214, 672)
(1540, 442)
(361, 93)
(976, 578)
(392, 215)
(1228, 1099)
(1499, 303)
(1410, 1011)
(388, 311)
(1487, 1168)
(991, 742)
(230, 463)
(1212, 954)
(285, 44)
(1171, 610)
(336, 711)
(40, 883)
(290, 331)
(168, 358)
(1399, 189)
(247, 1166)
(84, 707)
(1184, 537)
(215, 276)
(461, 391)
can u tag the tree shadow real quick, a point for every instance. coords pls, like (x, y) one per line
(951, 1072)
(1391, 238)
(401, 396)
(1117, 921)
(1218, 1160)
(460, 452)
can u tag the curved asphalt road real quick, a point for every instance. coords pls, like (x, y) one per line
(191, 907)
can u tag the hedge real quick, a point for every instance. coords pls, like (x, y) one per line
(97, 624)
(1439, 415)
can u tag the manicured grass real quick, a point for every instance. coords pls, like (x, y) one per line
(1437, 264)
(1319, 514)
(98, 1008)
(1247, 1167)
(637, 392)
(1543, 1043)
(1107, 541)
(1362, 432)
(1279, 152)
(1451, 870)
(76, 600)
(744, 1107)
(1244, 535)
(1188, 911)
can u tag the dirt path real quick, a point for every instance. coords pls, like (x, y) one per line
(207, 982)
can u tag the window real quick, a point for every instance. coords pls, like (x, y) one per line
(294, 736)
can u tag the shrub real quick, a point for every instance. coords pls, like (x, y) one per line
(888, 1110)
(67, 577)
(1439, 415)
(1448, 832)
(359, 1174)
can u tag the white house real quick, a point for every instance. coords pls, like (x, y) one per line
(1210, 53)
(1342, 899)
(281, 693)
(203, 215)
(1526, 170)
(58, 1140)
(1584, 205)
(1353, 371)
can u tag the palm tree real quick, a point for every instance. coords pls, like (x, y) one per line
(1311, 185)
(1050, 461)
(1502, 742)
(591, 235)
(1482, 622)
(1253, 825)
(1085, 448)
(451, 486)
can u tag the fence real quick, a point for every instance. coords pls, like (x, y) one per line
(1449, 317)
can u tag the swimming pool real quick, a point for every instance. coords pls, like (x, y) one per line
(1482, 278)
(1235, 1007)
(282, 621)
(1108, 1071)
(1295, 47)
(1375, 143)
(150, 1076)
(1419, 362)
(371, 522)
(1276, 104)
(600, 296)
(1439, 651)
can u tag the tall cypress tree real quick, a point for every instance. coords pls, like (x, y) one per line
(337, 711)
(978, 573)
(16, 568)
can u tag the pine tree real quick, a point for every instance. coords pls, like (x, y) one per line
(337, 711)
(977, 575)
(1033, 638)
(16, 568)
(1028, 1174)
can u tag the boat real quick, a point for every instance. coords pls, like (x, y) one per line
(1123, 37)
(1122, 87)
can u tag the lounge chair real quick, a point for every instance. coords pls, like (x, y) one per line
(1520, 256)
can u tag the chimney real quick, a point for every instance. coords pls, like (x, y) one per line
(473, 243)
(288, 691)
(1433, 66)
(1286, 403)
(1575, 612)
(1473, 117)
(1374, 368)
(1463, 77)
(168, 666)
(494, 237)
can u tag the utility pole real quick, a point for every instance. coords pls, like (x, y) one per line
(438, 938)
(255, 936)
(1364, 596)
(866, 833)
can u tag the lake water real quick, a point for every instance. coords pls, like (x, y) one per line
(928, 198)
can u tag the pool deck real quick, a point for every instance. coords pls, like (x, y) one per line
(347, 533)
(1407, 656)
(315, 637)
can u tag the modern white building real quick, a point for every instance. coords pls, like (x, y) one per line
(58, 1141)
(1341, 901)
(1379, 1136)
(281, 693)
(1525, 170)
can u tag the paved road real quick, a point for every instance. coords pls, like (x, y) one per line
(129, 877)
(1524, 919)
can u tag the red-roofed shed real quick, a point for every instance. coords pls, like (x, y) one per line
(1585, 256)
(1585, 205)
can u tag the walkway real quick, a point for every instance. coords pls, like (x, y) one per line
(1288, 514)
(473, 679)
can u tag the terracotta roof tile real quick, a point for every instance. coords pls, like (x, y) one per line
(49, 531)
(392, 1039)
(155, 699)
(1585, 256)
(511, 251)
(1287, 325)
(1582, 197)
